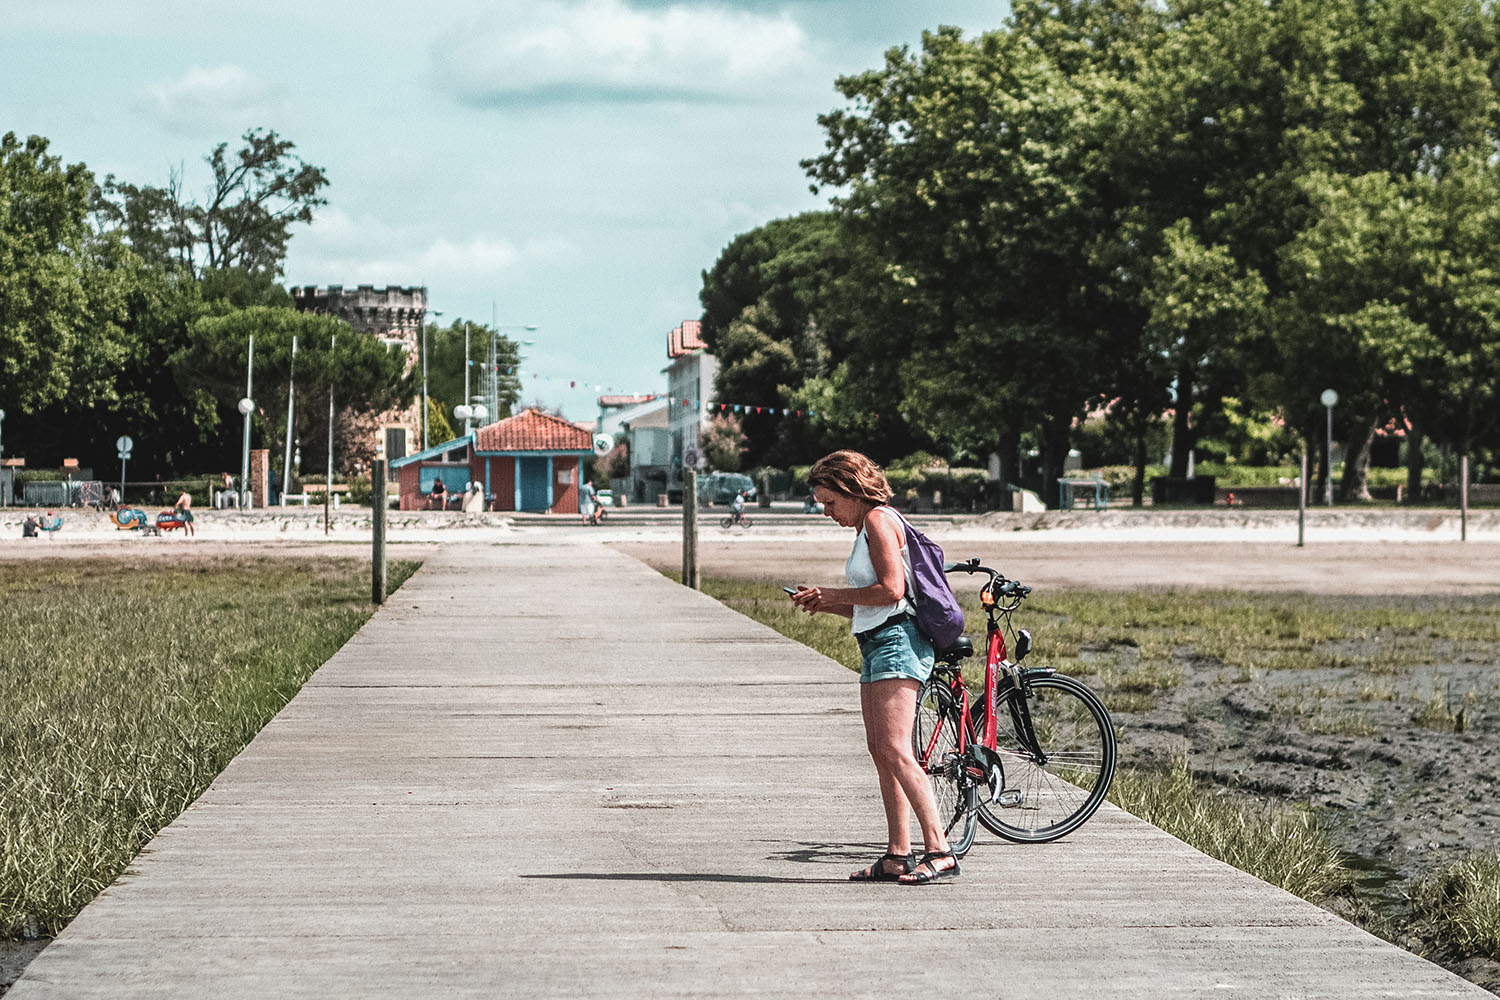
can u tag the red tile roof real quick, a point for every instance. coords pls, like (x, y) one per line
(685, 339)
(533, 430)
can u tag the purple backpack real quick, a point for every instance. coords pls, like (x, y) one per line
(939, 617)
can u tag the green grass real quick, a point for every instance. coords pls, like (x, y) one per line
(126, 692)
(764, 602)
(1284, 847)
(1462, 904)
(1130, 647)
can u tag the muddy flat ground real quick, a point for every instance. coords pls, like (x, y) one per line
(1366, 567)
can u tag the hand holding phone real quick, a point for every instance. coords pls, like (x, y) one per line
(790, 590)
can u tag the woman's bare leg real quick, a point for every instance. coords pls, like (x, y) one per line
(889, 708)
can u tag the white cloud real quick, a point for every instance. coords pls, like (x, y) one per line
(607, 50)
(340, 249)
(215, 99)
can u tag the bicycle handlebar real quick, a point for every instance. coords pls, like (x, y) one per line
(998, 584)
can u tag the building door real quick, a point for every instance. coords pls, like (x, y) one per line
(533, 483)
(395, 443)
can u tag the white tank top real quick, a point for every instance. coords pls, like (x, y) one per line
(860, 572)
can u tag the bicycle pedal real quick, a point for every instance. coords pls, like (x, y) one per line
(1008, 799)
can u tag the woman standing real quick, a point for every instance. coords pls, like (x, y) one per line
(894, 659)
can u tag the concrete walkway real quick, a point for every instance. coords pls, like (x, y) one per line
(544, 772)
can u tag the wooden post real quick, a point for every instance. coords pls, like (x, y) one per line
(1302, 501)
(377, 532)
(1463, 497)
(690, 528)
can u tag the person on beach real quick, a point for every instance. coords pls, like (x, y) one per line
(185, 510)
(894, 659)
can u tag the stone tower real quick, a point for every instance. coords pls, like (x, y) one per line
(395, 315)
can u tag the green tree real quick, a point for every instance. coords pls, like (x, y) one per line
(244, 221)
(766, 312)
(43, 301)
(1197, 298)
(445, 365)
(364, 374)
(971, 171)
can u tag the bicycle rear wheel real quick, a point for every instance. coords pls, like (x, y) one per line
(1063, 775)
(936, 743)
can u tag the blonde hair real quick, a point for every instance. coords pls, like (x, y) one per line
(851, 473)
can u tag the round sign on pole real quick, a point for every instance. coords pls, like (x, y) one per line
(690, 457)
(1329, 397)
(123, 443)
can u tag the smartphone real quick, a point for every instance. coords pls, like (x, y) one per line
(790, 590)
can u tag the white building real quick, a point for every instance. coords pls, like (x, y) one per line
(639, 423)
(690, 390)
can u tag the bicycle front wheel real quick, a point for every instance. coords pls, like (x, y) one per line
(1058, 776)
(935, 740)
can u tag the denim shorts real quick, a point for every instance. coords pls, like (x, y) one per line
(892, 651)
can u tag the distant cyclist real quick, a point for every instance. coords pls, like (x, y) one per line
(737, 506)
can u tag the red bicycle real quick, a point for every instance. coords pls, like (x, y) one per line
(1035, 758)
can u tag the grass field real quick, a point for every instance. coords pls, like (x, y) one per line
(125, 693)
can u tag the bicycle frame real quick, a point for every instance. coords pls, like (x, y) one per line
(1052, 759)
(985, 744)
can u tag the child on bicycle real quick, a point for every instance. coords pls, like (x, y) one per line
(895, 659)
(737, 506)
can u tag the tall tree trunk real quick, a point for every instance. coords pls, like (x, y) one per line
(1413, 461)
(1138, 482)
(1054, 457)
(1182, 431)
(1008, 458)
(1356, 484)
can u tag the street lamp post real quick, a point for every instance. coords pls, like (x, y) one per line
(246, 407)
(333, 343)
(1329, 399)
(431, 312)
(470, 413)
(286, 464)
(489, 386)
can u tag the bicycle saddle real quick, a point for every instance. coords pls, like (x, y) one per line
(961, 649)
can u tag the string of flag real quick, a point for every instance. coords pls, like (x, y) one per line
(723, 408)
(572, 382)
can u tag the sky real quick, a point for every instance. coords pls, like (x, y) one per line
(573, 165)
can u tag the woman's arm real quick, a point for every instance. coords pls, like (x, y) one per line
(883, 535)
